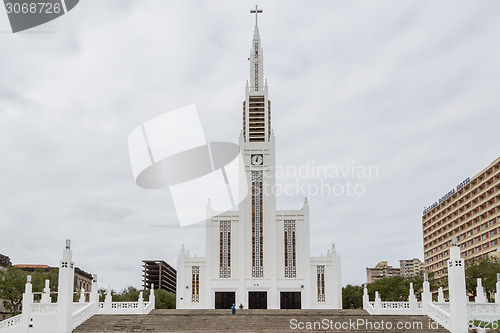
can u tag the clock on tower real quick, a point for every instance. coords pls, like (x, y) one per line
(257, 159)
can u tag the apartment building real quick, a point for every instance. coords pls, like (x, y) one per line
(380, 271)
(411, 267)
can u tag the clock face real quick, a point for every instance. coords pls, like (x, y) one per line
(257, 159)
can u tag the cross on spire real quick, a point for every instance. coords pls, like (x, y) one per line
(256, 11)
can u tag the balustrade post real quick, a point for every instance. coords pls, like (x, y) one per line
(82, 296)
(107, 301)
(412, 300)
(366, 298)
(65, 291)
(378, 304)
(26, 304)
(441, 295)
(140, 303)
(46, 293)
(152, 297)
(458, 293)
(94, 293)
(497, 294)
(426, 294)
(480, 294)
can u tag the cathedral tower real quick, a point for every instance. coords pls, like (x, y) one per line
(258, 256)
(258, 211)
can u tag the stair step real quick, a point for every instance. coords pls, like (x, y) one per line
(256, 321)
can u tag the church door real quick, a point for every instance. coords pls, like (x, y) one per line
(290, 300)
(224, 299)
(257, 299)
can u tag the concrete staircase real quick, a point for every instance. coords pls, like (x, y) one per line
(258, 321)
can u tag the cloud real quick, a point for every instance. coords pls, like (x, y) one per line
(410, 87)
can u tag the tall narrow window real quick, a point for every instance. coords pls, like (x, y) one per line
(321, 283)
(269, 120)
(290, 254)
(257, 226)
(256, 119)
(256, 77)
(195, 288)
(225, 249)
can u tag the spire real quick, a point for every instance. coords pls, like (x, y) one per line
(256, 34)
(256, 58)
(257, 107)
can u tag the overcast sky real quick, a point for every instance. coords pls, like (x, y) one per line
(408, 87)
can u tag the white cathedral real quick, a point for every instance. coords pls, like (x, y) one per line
(258, 256)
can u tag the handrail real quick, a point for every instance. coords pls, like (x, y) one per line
(124, 305)
(83, 314)
(395, 305)
(44, 307)
(10, 322)
(369, 307)
(482, 308)
(441, 317)
(148, 307)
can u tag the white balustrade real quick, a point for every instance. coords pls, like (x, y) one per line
(438, 311)
(125, 307)
(439, 316)
(395, 305)
(43, 308)
(443, 306)
(11, 322)
(78, 306)
(83, 314)
(452, 315)
(148, 307)
(393, 308)
(483, 311)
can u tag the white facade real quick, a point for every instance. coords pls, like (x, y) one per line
(258, 256)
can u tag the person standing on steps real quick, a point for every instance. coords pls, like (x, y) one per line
(233, 309)
(241, 306)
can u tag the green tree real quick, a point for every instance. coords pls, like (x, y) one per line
(352, 297)
(102, 294)
(38, 278)
(12, 283)
(164, 299)
(486, 269)
(396, 288)
(129, 294)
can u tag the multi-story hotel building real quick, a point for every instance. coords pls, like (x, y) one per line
(471, 213)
